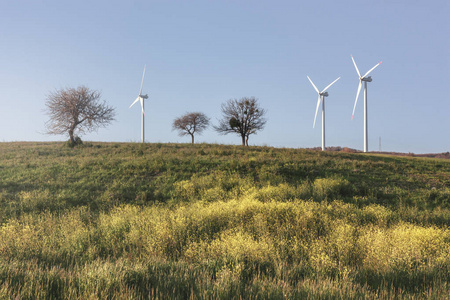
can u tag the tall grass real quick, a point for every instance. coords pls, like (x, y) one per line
(207, 221)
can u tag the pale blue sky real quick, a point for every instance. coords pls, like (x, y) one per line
(199, 54)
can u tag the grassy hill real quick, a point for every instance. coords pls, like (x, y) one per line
(113, 220)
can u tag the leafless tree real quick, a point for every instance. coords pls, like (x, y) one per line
(76, 111)
(243, 117)
(191, 123)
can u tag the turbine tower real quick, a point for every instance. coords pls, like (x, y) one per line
(141, 98)
(366, 80)
(322, 96)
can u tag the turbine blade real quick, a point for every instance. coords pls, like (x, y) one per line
(359, 74)
(142, 82)
(372, 69)
(357, 94)
(137, 99)
(317, 90)
(317, 109)
(330, 85)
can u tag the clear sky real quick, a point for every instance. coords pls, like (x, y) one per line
(199, 54)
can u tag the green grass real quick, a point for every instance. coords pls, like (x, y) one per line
(113, 220)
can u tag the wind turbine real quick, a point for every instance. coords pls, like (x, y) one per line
(141, 98)
(322, 96)
(366, 80)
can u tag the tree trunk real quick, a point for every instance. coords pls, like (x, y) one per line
(243, 140)
(246, 141)
(71, 137)
(192, 136)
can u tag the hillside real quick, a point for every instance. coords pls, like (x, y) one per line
(120, 220)
(445, 155)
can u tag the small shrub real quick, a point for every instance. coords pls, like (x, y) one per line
(77, 142)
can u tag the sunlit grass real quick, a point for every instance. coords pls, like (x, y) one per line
(208, 221)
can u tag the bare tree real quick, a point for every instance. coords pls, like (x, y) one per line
(243, 117)
(191, 123)
(76, 111)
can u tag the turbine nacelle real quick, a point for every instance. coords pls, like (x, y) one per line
(324, 94)
(367, 79)
(144, 96)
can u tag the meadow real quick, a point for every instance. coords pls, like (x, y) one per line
(179, 221)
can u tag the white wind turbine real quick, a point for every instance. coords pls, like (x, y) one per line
(141, 98)
(322, 96)
(366, 80)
